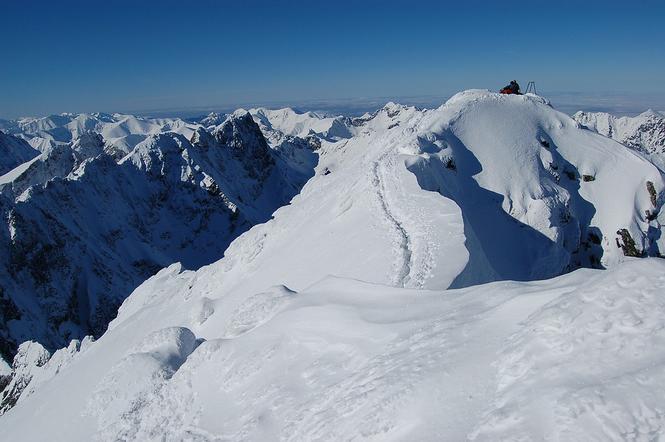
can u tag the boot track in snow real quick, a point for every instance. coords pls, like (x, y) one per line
(403, 267)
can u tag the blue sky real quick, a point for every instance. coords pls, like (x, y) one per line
(80, 56)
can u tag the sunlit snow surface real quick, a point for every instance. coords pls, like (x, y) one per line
(332, 320)
(578, 357)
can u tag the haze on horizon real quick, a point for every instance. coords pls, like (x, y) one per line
(76, 56)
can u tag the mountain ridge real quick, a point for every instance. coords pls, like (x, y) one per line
(167, 200)
(509, 202)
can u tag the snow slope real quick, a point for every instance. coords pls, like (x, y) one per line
(13, 152)
(645, 132)
(265, 343)
(574, 358)
(384, 208)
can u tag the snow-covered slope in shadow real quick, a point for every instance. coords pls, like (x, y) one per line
(13, 152)
(84, 230)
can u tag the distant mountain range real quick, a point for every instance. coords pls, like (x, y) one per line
(644, 133)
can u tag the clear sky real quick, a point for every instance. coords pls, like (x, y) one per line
(80, 56)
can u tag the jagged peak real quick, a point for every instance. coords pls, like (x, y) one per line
(201, 137)
(213, 119)
(88, 144)
(239, 123)
(161, 141)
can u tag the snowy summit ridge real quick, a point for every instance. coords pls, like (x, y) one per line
(400, 206)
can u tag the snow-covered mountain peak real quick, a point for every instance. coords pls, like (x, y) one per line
(154, 154)
(121, 131)
(239, 129)
(288, 122)
(472, 179)
(264, 341)
(392, 109)
(88, 144)
(551, 174)
(243, 136)
(212, 119)
(650, 113)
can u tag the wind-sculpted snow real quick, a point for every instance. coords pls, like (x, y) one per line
(575, 357)
(588, 365)
(525, 174)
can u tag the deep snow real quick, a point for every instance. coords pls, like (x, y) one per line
(334, 320)
(579, 357)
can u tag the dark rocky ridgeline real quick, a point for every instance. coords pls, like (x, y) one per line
(243, 136)
(76, 245)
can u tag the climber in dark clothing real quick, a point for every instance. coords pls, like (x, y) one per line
(512, 88)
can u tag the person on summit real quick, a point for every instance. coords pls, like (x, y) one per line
(512, 88)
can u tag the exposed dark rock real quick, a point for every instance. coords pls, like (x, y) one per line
(314, 143)
(627, 244)
(652, 193)
(244, 137)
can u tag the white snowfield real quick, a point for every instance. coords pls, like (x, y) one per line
(579, 357)
(336, 319)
